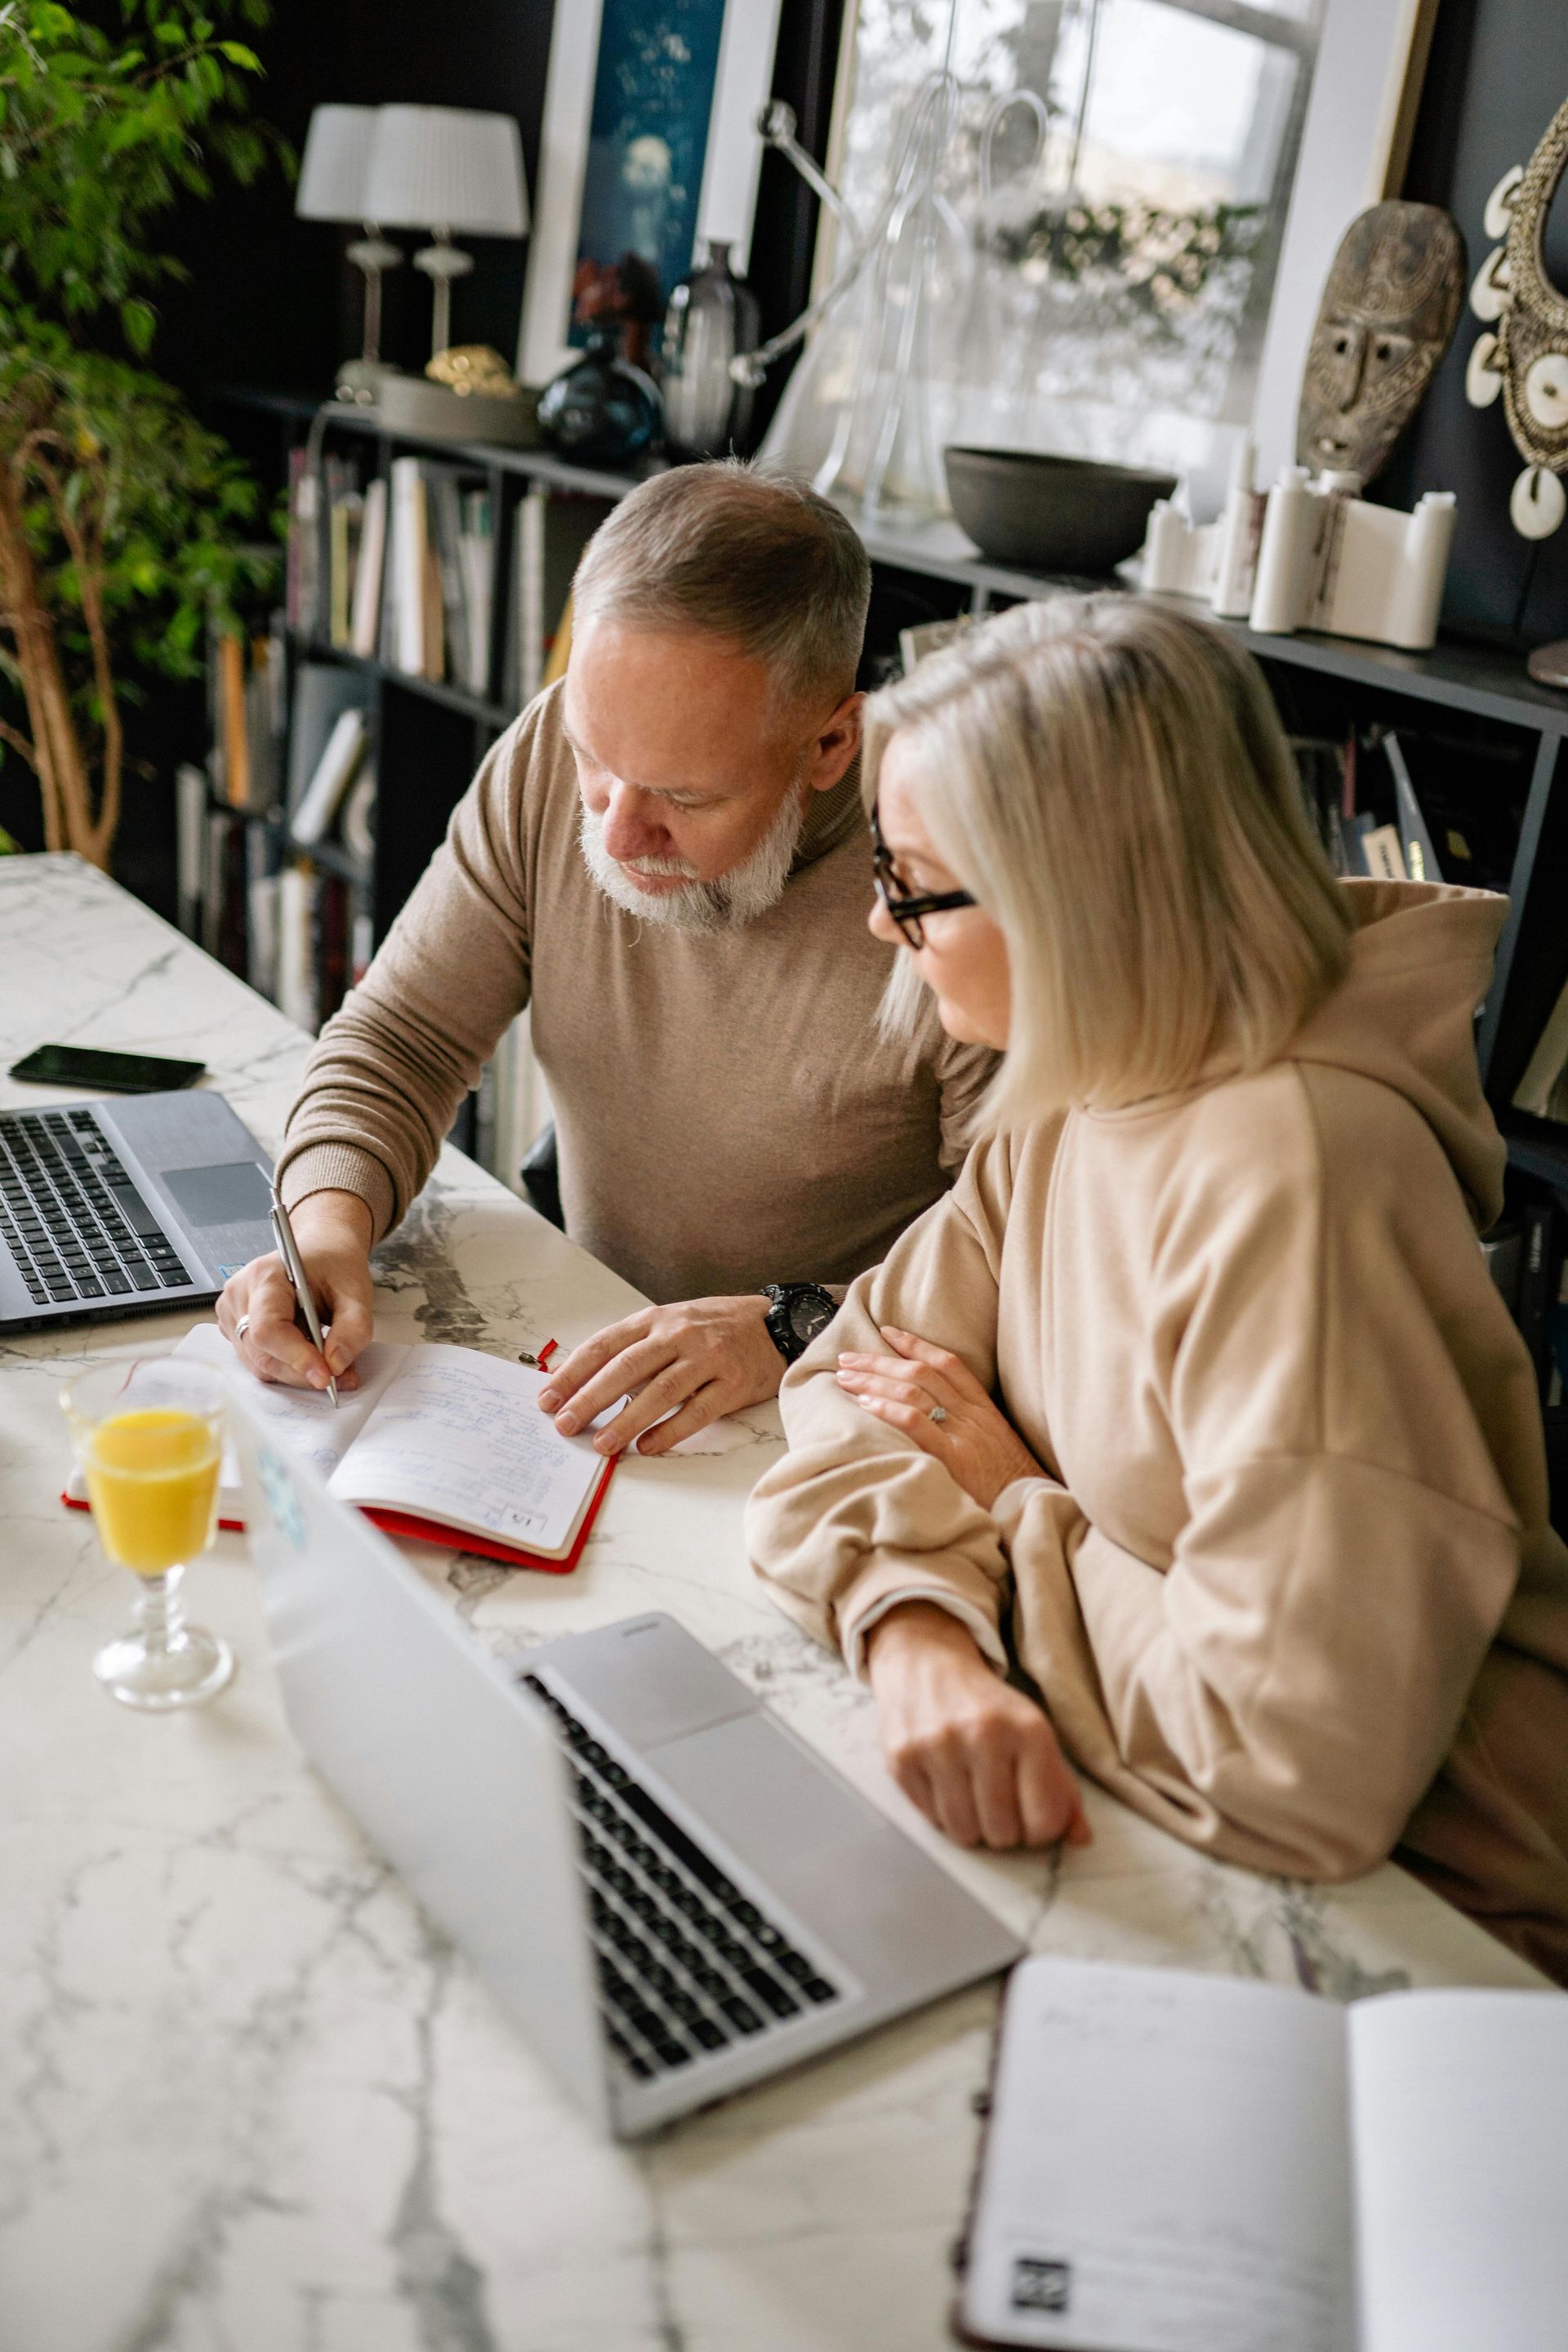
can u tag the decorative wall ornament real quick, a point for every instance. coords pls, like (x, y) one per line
(1390, 306)
(1526, 358)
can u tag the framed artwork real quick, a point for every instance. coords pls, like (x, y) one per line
(1134, 210)
(648, 143)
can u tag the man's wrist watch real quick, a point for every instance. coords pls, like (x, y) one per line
(798, 1312)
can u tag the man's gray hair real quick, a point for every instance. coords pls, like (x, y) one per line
(745, 554)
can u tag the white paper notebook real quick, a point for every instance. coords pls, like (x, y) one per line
(1180, 2163)
(444, 1434)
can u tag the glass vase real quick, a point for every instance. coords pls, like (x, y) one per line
(713, 317)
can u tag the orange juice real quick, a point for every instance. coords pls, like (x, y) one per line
(151, 1479)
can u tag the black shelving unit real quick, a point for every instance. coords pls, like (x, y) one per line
(431, 736)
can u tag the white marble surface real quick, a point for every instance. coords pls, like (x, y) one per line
(249, 2102)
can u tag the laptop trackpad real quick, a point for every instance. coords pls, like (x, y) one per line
(235, 1193)
(767, 1797)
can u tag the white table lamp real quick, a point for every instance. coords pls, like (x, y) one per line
(453, 171)
(333, 188)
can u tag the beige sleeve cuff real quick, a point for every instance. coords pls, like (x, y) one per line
(987, 1641)
(965, 1592)
(1012, 1503)
(339, 1168)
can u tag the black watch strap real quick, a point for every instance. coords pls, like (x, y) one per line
(796, 1313)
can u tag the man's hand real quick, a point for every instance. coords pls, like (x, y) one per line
(334, 1232)
(976, 1756)
(971, 1437)
(695, 1361)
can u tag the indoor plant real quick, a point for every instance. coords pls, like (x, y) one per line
(120, 515)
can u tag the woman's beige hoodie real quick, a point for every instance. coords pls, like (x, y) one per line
(1286, 1584)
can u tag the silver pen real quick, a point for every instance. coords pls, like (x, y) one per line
(289, 1251)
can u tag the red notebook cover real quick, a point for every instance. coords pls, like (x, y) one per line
(399, 1523)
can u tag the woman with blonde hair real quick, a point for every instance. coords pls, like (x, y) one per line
(1196, 1386)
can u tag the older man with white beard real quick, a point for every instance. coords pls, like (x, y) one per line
(667, 860)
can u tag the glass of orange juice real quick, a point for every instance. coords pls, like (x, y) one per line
(149, 1436)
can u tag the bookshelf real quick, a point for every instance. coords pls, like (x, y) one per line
(1497, 740)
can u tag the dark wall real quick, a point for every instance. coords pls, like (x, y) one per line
(272, 301)
(1499, 72)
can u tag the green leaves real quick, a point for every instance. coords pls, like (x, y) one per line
(136, 518)
(99, 134)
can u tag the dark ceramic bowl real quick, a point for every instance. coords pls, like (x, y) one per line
(1051, 514)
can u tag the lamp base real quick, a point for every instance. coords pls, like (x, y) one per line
(411, 403)
(360, 381)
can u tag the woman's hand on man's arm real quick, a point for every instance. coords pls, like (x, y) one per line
(970, 1436)
(976, 1756)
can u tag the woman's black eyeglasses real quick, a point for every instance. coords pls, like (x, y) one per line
(907, 906)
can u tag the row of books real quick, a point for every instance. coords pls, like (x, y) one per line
(1375, 820)
(301, 936)
(402, 570)
(399, 570)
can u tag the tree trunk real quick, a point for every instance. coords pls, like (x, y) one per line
(64, 783)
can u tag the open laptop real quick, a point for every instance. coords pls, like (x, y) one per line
(671, 1891)
(126, 1207)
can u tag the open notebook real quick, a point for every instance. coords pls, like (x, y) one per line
(1206, 2164)
(437, 1443)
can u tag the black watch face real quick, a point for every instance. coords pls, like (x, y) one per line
(808, 1315)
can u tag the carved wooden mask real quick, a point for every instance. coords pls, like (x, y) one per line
(1388, 314)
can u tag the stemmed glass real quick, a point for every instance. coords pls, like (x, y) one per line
(149, 1435)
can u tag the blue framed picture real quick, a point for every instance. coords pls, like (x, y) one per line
(650, 142)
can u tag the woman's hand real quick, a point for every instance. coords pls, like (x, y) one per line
(973, 1439)
(976, 1756)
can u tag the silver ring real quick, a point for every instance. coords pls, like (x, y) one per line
(242, 1327)
(937, 1412)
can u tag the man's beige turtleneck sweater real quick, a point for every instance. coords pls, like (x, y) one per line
(728, 1113)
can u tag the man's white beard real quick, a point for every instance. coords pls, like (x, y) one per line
(736, 900)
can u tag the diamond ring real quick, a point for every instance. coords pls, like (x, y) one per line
(937, 1412)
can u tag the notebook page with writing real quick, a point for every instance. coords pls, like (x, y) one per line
(305, 1419)
(1459, 2133)
(1165, 2168)
(460, 1437)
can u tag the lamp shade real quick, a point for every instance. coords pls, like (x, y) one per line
(333, 169)
(447, 167)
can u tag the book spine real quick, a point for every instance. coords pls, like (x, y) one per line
(261, 911)
(445, 508)
(331, 943)
(338, 564)
(190, 823)
(476, 552)
(1420, 853)
(234, 740)
(296, 968)
(530, 646)
(1538, 1286)
(366, 615)
(409, 564)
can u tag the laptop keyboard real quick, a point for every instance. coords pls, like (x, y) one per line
(688, 1965)
(71, 1217)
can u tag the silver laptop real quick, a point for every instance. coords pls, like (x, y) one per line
(126, 1207)
(672, 1893)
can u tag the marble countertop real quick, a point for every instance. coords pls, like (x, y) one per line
(249, 2100)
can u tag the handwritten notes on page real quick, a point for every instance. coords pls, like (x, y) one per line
(304, 1419)
(1165, 2167)
(459, 1436)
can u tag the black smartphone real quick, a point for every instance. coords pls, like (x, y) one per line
(114, 1073)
